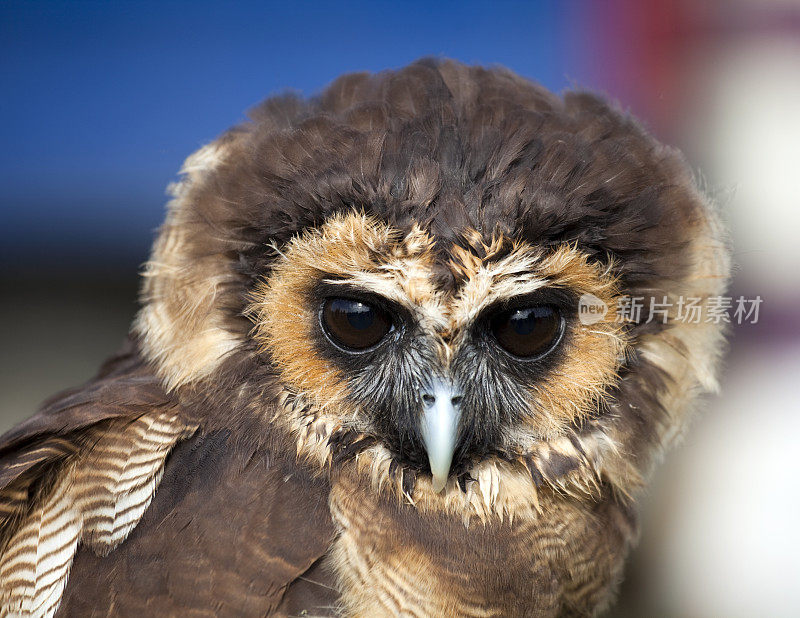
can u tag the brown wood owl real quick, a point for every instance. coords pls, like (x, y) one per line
(360, 382)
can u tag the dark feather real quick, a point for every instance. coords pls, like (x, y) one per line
(229, 532)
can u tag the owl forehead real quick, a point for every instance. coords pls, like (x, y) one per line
(410, 267)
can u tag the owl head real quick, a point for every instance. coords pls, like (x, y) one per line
(388, 280)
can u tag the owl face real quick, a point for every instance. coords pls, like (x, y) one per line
(444, 357)
(384, 278)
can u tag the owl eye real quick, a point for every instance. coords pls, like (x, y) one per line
(354, 324)
(527, 332)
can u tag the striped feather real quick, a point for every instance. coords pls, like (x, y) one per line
(97, 499)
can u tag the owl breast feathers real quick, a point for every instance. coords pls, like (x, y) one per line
(361, 382)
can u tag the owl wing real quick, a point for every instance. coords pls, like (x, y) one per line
(77, 478)
(229, 533)
(33, 451)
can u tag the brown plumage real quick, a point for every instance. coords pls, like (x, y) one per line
(336, 281)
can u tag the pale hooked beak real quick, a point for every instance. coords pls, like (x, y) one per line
(441, 410)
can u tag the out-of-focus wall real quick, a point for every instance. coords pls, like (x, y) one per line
(102, 101)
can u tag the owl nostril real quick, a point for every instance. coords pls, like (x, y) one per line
(428, 399)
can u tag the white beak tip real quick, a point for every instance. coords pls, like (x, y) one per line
(439, 482)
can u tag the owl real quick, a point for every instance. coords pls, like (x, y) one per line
(363, 380)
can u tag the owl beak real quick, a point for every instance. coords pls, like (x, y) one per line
(441, 410)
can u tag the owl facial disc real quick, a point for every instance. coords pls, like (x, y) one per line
(441, 411)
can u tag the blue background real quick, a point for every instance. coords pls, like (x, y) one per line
(102, 101)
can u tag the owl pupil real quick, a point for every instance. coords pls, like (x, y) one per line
(527, 332)
(523, 321)
(354, 325)
(360, 316)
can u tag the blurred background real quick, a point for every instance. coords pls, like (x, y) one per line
(102, 101)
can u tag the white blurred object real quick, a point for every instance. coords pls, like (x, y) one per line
(728, 539)
(751, 97)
